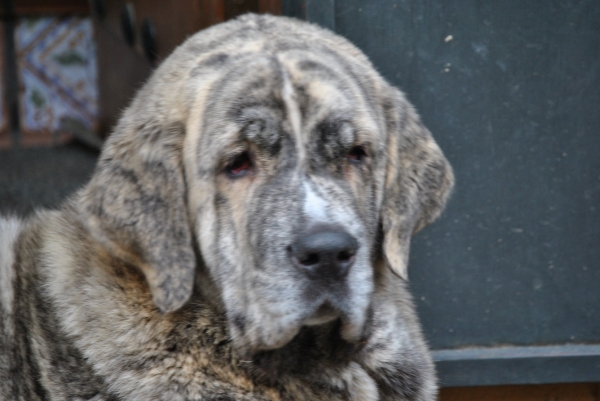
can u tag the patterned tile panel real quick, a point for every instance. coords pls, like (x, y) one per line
(56, 60)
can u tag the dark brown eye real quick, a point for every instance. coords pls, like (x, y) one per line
(239, 165)
(357, 154)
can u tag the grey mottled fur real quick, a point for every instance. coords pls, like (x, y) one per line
(168, 278)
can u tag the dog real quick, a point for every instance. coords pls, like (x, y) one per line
(244, 236)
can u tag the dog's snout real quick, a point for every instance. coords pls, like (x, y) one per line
(325, 254)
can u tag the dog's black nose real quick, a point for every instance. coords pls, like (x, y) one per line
(325, 254)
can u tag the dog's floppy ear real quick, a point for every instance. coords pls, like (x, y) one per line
(135, 206)
(418, 181)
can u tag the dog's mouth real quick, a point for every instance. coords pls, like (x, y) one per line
(272, 323)
(324, 314)
(348, 327)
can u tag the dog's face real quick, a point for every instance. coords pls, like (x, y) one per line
(285, 176)
(292, 168)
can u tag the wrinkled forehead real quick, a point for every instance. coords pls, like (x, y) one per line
(293, 94)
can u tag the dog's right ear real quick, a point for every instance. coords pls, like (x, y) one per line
(135, 206)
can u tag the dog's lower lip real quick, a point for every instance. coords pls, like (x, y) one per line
(325, 313)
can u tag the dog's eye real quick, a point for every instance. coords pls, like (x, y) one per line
(239, 165)
(357, 154)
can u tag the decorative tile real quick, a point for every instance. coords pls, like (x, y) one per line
(56, 59)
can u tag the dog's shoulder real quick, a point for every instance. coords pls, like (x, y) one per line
(10, 227)
(38, 359)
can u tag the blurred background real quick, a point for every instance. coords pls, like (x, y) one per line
(507, 282)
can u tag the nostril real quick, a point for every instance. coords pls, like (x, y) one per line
(309, 260)
(345, 256)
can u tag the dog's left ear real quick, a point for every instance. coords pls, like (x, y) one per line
(418, 180)
(135, 206)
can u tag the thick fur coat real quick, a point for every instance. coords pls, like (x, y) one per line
(244, 236)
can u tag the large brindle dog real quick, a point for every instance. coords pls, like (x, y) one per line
(244, 236)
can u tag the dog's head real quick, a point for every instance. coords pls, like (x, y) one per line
(274, 149)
